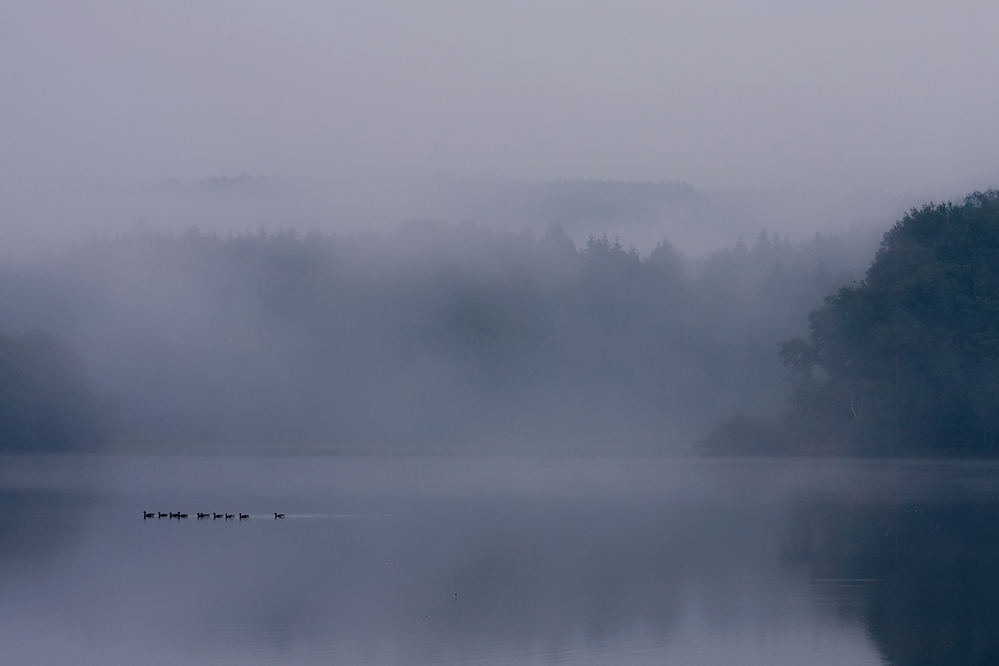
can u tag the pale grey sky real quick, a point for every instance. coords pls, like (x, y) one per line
(895, 95)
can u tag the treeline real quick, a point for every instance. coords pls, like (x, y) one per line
(436, 335)
(905, 362)
(46, 402)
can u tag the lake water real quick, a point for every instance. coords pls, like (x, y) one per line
(498, 561)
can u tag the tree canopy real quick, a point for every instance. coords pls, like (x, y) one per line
(46, 402)
(907, 361)
(434, 335)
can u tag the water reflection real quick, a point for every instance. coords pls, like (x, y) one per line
(922, 576)
(37, 526)
(502, 561)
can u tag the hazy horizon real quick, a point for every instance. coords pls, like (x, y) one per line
(362, 109)
(508, 331)
(47, 221)
(722, 95)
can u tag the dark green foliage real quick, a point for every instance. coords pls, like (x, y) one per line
(907, 361)
(46, 403)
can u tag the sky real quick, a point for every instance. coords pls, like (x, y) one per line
(722, 94)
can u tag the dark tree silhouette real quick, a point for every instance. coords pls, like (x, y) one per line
(907, 361)
(46, 403)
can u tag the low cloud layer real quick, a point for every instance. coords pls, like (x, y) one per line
(725, 94)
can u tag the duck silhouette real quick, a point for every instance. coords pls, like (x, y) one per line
(183, 515)
(228, 516)
(202, 515)
(243, 515)
(217, 515)
(278, 515)
(148, 514)
(162, 515)
(175, 515)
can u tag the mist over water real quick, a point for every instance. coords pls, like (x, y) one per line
(461, 289)
(433, 560)
(328, 226)
(433, 337)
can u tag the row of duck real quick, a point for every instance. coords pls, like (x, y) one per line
(201, 516)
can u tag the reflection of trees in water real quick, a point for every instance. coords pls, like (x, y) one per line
(37, 526)
(521, 574)
(925, 578)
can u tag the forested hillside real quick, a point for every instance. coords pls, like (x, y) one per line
(434, 336)
(46, 403)
(905, 362)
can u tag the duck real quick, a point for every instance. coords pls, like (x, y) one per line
(202, 515)
(175, 515)
(278, 515)
(148, 514)
(243, 515)
(228, 516)
(183, 515)
(162, 515)
(217, 515)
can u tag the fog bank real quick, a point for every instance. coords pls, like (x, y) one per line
(47, 219)
(431, 337)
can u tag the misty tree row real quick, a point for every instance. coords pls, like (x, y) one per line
(46, 402)
(907, 361)
(435, 335)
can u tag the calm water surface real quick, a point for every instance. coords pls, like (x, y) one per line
(495, 561)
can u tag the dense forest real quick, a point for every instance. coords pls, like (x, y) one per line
(434, 336)
(46, 402)
(905, 362)
(444, 337)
